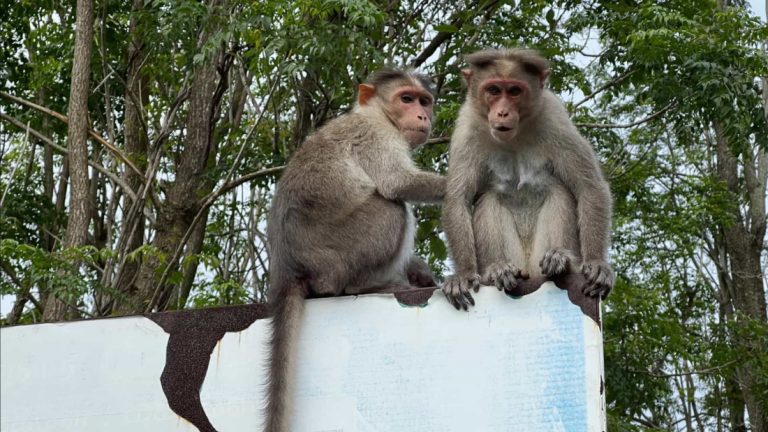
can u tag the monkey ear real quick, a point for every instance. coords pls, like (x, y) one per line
(543, 77)
(365, 92)
(467, 74)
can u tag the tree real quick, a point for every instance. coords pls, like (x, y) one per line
(77, 135)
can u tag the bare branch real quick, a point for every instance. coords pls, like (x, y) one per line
(438, 140)
(96, 137)
(628, 125)
(45, 140)
(441, 37)
(711, 370)
(605, 86)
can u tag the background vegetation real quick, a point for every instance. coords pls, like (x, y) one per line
(139, 153)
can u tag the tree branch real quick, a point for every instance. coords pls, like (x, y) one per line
(713, 369)
(628, 125)
(605, 86)
(64, 151)
(441, 37)
(96, 137)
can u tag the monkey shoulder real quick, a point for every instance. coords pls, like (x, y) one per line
(323, 176)
(554, 125)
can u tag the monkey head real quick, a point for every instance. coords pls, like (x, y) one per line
(505, 88)
(404, 98)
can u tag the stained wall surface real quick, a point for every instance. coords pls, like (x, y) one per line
(365, 363)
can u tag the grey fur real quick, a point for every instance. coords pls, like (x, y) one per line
(535, 205)
(339, 224)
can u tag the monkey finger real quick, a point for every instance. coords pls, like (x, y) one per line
(453, 301)
(468, 300)
(518, 273)
(592, 290)
(511, 282)
(544, 262)
(605, 292)
(475, 284)
(447, 291)
(590, 273)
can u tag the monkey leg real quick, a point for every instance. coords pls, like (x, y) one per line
(555, 239)
(419, 274)
(500, 253)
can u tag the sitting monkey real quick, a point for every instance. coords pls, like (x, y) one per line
(525, 195)
(339, 222)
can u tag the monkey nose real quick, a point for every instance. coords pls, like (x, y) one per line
(502, 114)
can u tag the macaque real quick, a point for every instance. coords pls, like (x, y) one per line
(525, 195)
(340, 222)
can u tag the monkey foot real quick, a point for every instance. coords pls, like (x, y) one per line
(556, 261)
(457, 289)
(599, 277)
(504, 275)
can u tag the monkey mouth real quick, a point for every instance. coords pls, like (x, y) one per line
(502, 128)
(420, 130)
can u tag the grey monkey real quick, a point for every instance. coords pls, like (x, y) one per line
(526, 195)
(340, 222)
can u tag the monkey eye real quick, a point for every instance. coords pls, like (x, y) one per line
(515, 91)
(425, 101)
(494, 90)
(406, 98)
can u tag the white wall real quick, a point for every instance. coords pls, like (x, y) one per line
(365, 364)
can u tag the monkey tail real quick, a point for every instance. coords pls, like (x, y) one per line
(287, 313)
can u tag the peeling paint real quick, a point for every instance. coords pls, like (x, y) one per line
(195, 333)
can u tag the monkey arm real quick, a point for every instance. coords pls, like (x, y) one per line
(463, 183)
(457, 223)
(397, 178)
(580, 171)
(415, 186)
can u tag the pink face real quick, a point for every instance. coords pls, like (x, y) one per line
(504, 97)
(411, 110)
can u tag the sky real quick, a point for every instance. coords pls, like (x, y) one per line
(758, 7)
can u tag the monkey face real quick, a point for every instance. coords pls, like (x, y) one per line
(506, 100)
(410, 109)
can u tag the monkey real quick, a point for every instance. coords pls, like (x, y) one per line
(340, 222)
(526, 195)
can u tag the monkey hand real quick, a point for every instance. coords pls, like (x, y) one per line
(419, 274)
(503, 275)
(599, 278)
(556, 261)
(457, 289)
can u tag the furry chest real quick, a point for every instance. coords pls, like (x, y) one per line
(523, 178)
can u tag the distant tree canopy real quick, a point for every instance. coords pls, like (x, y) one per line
(190, 109)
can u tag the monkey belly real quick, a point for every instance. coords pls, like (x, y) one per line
(392, 271)
(519, 226)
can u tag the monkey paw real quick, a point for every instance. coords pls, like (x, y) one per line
(503, 275)
(556, 262)
(457, 290)
(599, 278)
(419, 274)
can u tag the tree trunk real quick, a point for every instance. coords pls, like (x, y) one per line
(136, 145)
(77, 134)
(744, 239)
(176, 213)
